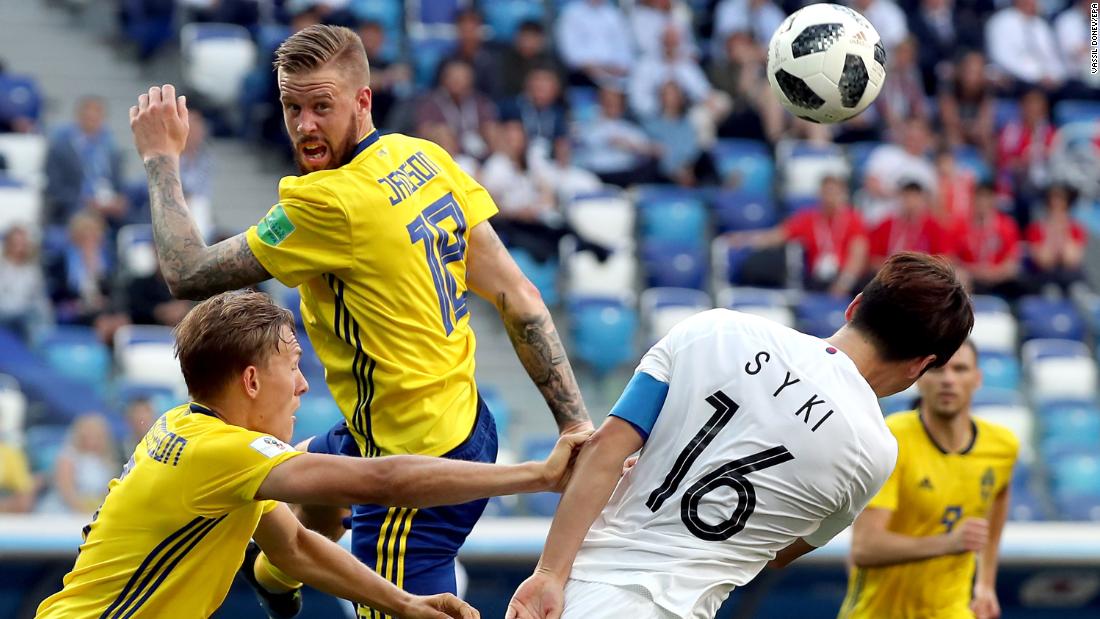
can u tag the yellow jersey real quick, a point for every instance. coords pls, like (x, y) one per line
(15, 473)
(172, 531)
(377, 249)
(929, 491)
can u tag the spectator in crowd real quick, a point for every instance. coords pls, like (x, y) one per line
(1021, 44)
(390, 81)
(81, 276)
(970, 19)
(1072, 31)
(956, 190)
(1023, 154)
(911, 228)
(650, 18)
(832, 236)
(529, 50)
(1056, 242)
(933, 26)
(149, 302)
(268, 118)
(594, 41)
(85, 466)
(967, 106)
(139, 416)
(455, 103)
(892, 164)
(196, 174)
(682, 160)
(441, 134)
(613, 147)
(24, 303)
(759, 18)
(470, 46)
(888, 20)
(10, 123)
(84, 167)
(17, 485)
(540, 109)
(903, 95)
(558, 170)
(988, 247)
(241, 12)
(739, 72)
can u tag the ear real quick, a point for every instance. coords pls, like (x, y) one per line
(250, 380)
(364, 98)
(917, 367)
(852, 307)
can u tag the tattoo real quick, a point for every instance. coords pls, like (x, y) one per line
(192, 269)
(540, 350)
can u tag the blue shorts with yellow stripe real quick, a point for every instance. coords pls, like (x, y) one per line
(414, 548)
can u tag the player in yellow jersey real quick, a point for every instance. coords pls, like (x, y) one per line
(914, 545)
(384, 236)
(207, 477)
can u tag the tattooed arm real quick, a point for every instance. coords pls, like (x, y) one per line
(494, 276)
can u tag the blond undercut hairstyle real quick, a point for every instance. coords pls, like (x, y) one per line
(322, 45)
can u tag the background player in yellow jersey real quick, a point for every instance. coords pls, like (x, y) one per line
(914, 545)
(384, 236)
(168, 538)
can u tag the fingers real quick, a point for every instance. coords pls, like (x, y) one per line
(143, 102)
(181, 106)
(575, 439)
(133, 112)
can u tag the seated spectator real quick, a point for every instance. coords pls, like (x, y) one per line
(1056, 242)
(1072, 31)
(81, 276)
(832, 236)
(1034, 64)
(557, 170)
(24, 303)
(988, 247)
(196, 174)
(911, 228)
(933, 26)
(614, 148)
(1023, 154)
(470, 46)
(455, 103)
(892, 164)
(149, 302)
(594, 41)
(650, 18)
(85, 466)
(390, 81)
(84, 168)
(17, 485)
(9, 123)
(540, 109)
(529, 50)
(682, 161)
(442, 135)
(739, 72)
(966, 104)
(888, 20)
(139, 416)
(759, 18)
(956, 190)
(903, 95)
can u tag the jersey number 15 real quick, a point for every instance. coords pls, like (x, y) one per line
(730, 475)
(441, 248)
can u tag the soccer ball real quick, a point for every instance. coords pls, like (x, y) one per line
(826, 63)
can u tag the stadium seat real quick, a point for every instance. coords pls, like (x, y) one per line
(20, 205)
(583, 103)
(804, 164)
(77, 353)
(672, 265)
(388, 13)
(540, 504)
(606, 218)
(25, 154)
(20, 97)
(999, 370)
(1075, 474)
(995, 328)
(1041, 317)
(13, 410)
(897, 403)
(498, 407)
(544, 275)
(137, 255)
(663, 308)
(1009, 411)
(820, 315)
(1075, 110)
(427, 53)
(145, 355)
(216, 59)
(745, 165)
(737, 210)
(315, 416)
(604, 330)
(1069, 425)
(159, 396)
(763, 302)
(858, 154)
(1078, 508)
(669, 213)
(42, 445)
(505, 16)
(587, 276)
(433, 12)
(1024, 506)
(1059, 369)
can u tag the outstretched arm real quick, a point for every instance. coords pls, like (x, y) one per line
(874, 545)
(192, 269)
(494, 276)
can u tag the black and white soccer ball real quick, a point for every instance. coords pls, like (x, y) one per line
(826, 63)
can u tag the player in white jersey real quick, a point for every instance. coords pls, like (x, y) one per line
(758, 444)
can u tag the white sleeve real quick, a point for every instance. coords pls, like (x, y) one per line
(657, 362)
(1002, 44)
(570, 44)
(693, 81)
(863, 489)
(833, 524)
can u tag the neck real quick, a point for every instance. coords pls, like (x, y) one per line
(861, 351)
(230, 408)
(951, 434)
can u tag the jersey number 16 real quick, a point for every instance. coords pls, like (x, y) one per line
(730, 475)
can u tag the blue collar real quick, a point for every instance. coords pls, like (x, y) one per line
(199, 409)
(364, 144)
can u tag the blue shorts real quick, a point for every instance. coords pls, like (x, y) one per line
(414, 548)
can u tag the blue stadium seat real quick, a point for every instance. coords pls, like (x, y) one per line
(1000, 370)
(268, 38)
(1076, 475)
(746, 165)
(1024, 506)
(388, 13)
(427, 53)
(42, 445)
(990, 397)
(985, 303)
(505, 16)
(674, 265)
(160, 397)
(77, 353)
(741, 210)
(897, 403)
(1068, 426)
(604, 331)
(1049, 319)
(858, 154)
(1073, 110)
(499, 408)
(316, 414)
(583, 103)
(20, 97)
(436, 11)
(540, 503)
(544, 275)
(1080, 508)
(970, 158)
(670, 213)
(820, 315)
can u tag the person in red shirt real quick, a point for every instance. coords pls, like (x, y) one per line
(1023, 154)
(988, 246)
(912, 228)
(1056, 242)
(832, 236)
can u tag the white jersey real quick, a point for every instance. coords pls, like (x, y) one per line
(766, 435)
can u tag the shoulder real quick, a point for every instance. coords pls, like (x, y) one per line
(995, 437)
(317, 188)
(902, 425)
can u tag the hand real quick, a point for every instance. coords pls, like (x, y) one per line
(539, 597)
(970, 535)
(442, 606)
(579, 426)
(985, 605)
(159, 123)
(558, 468)
(629, 464)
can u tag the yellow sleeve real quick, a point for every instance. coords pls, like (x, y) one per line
(306, 234)
(476, 203)
(231, 464)
(17, 471)
(887, 497)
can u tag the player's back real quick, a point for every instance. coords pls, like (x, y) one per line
(765, 433)
(172, 531)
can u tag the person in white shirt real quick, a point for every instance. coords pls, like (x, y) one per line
(614, 148)
(650, 18)
(892, 165)
(1071, 30)
(594, 41)
(760, 18)
(758, 444)
(887, 18)
(1021, 43)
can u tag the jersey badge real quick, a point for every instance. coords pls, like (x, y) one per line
(275, 227)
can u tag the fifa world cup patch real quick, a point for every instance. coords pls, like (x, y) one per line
(275, 227)
(270, 446)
